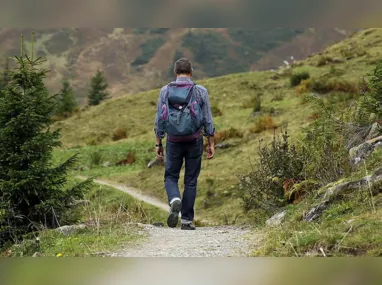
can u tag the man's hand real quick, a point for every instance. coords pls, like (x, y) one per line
(210, 151)
(159, 152)
(159, 148)
(210, 147)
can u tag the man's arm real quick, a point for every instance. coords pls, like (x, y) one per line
(159, 134)
(209, 129)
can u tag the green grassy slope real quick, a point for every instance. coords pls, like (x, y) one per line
(92, 130)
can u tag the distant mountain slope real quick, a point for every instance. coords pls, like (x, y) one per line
(141, 59)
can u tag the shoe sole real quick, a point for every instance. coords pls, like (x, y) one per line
(187, 229)
(173, 217)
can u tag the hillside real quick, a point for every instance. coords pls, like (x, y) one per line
(141, 59)
(123, 128)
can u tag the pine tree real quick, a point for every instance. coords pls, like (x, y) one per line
(67, 101)
(4, 78)
(98, 86)
(374, 104)
(33, 192)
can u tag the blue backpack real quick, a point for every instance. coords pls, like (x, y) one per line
(181, 112)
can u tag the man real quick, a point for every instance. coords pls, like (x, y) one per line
(184, 114)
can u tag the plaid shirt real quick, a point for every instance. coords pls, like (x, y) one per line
(202, 94)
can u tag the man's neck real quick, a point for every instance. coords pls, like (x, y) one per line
(183, 75)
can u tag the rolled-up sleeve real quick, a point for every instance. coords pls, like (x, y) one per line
(159, 134)
(209, 129)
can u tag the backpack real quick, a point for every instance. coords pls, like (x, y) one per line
(181, 112)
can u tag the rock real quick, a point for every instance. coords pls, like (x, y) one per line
(337, 60)
(224, 145)
(275, 77)
(361, 184)
(37, 254)
(316, 212)
(276, 220)
(359, 153)
(69, 230)
(350, 185)
(83, 168)
(156, 162)
(377, 176)
(106, 164)
(375, 131)
(145, 226)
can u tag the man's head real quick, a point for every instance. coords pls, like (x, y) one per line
(183, 67)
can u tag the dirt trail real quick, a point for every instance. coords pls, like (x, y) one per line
(137, 194)
(222, 241)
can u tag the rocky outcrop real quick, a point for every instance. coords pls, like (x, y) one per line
(361, 152)
(367, 182)
(375, 131)
(276, 220)
(316, 211)
(224, 145)
(69, 230)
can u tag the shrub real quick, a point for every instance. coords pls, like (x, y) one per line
(333, 71)
(372, 100)
(323, 60)
(119, 134)
(278, 97)
(228, 134)
(296, 78)
(280, 167)
(253, 101)
(324, 140)
(304, 87)
(260, 192)
(262, 124)
(257, 104)
(353, 52)
(95, 159)
(130, 159)
(325, 86)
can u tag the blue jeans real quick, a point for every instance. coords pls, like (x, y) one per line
(192, 153)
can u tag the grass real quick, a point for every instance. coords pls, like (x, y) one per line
(92, 130)
(111, 219)
(347, 228)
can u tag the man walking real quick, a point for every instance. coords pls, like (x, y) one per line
(184, 114)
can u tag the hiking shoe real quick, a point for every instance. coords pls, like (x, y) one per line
(188, 227)
(173, 216)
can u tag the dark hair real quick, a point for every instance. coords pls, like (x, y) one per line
(183, 66)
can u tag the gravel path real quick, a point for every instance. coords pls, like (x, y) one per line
(222, 241)
(203, 242)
